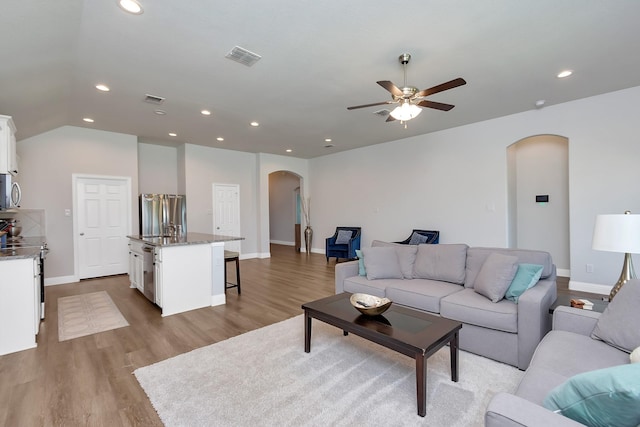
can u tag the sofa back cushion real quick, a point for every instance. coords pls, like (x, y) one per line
(441, 262)
(477, 256)
(406, 256)
(381, 263)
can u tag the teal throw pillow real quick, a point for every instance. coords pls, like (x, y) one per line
(526, 277)
(361, 270)
(604, 397)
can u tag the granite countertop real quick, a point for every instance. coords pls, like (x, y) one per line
(188, 239)
(29, 247)
(19, 253)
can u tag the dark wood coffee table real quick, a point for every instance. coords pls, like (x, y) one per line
(411, 332)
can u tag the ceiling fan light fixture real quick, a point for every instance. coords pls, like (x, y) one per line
(405, 112)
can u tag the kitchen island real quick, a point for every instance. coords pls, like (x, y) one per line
(179, 273)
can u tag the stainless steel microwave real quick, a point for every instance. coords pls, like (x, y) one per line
(10, 193)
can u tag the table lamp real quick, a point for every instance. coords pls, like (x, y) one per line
(618, 233)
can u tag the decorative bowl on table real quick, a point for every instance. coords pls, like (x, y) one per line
(369, 304)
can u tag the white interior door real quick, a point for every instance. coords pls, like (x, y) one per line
(102, 213)
(226, 208)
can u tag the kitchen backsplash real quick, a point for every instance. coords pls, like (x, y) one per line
(32, 221)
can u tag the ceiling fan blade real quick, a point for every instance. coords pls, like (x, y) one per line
(442, 87)
(390, 87)
(436, 105)
(369, 105)
(390, 118)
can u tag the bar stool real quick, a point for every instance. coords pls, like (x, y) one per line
(230, 256)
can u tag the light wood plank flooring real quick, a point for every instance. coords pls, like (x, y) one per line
(89, 380)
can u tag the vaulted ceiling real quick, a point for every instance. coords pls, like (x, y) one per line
(318, 57)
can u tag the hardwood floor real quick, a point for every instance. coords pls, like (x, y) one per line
(89, 380)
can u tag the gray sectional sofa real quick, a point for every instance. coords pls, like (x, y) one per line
(581, 371)
(440, 279)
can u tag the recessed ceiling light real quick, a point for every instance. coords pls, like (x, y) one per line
(220, 139)
(88, 120)
(565, 73)
(327, 140)
(160, 112)
(173, 134)
(205, 112)
(103, 88)
(540, 103)
(131, 6)
(255, 124)
(289, 150)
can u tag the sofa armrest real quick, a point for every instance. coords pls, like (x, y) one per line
(344, 270)
(534, 320)
(509, 410)
(574, 320)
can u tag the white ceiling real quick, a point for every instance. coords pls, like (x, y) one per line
(318, 57)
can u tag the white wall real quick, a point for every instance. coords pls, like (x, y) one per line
(542, 168)
(157, 169)
(47, 162)
(456, 180)
(282, 207)
(267, 164)
(205, 166)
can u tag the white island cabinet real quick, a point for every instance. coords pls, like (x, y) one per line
(188, 271)
(19, 301)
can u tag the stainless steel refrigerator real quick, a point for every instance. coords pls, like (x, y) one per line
(163, 214)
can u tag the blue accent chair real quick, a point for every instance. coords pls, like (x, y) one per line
(343, 250)
(432, 236)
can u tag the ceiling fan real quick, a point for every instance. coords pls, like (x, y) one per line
(409, 98)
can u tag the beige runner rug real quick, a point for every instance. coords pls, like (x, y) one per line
(86, 314)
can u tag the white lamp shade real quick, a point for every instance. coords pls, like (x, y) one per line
(617, 233)
(406, 111)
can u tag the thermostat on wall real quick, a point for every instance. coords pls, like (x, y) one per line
(542, 198)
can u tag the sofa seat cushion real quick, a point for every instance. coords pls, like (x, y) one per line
(561, 355)
(423, 294)
(360, 284)
(467, 306)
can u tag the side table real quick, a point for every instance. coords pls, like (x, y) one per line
(565, 300)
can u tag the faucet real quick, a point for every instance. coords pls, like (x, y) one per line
(171, 228)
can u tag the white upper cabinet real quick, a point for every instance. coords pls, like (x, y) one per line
(8, 157)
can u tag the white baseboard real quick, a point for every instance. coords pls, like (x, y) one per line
(60, 280)
(263, 255)
(589, 287)
(563, 272)
(218, 300)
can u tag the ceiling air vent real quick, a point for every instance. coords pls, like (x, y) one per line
(153, 99)
(243, 56)
(384, 112)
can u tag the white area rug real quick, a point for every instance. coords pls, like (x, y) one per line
(86, 314)
(265, 378)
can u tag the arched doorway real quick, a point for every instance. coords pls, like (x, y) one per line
(284, 210)
(538, 195)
